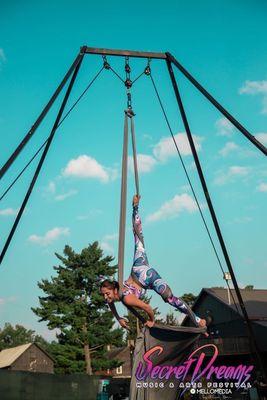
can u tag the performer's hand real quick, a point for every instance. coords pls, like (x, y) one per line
(150, 324)
(136, 200)
(123, 323)
(203, 324)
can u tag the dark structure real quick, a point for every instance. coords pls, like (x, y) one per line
(27, 357)
(21, 385)
(168, 347)
(227, 331)
(227, 327)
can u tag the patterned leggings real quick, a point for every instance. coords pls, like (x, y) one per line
(148, 277)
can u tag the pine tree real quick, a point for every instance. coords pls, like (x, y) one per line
(75, 307)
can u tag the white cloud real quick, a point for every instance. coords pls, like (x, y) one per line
(92, 213)
(8, 212)
(105, 246)
(51, 187)
(237, 170)
(243, 220)
(113, 236)
(172, 208)
(5, 300)
(224, 127)
(262, 187)
(87, 167)
(254, 88)
(264, 105)
(49, 335)
(105, 243)
(147, 137)
(2, 56)
(166, 149)
(62, 197)
(262, 137)
(231, 174)
(145, 163)
(49, 236)
(185, 188)
(228, 148)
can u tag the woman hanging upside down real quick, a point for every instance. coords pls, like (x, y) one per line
(142, 277)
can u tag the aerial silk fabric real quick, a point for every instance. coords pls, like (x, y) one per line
(177, 343)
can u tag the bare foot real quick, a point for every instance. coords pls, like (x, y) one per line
(203, 324)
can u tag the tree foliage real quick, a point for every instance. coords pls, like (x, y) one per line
(189, 298)
(12, 336)
(171, 319)
(73, 304)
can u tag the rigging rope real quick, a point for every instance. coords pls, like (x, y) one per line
(62, 120)
(191, 185)
(41, 161)
(129, 115)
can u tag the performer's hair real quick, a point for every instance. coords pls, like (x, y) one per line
(110, 284)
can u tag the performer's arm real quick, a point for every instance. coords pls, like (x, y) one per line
(120, 320)
(131, 300)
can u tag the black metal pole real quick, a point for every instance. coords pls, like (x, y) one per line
(41, 116)
(125, 53)
(237, 124)
(214, 218)
(42, 159)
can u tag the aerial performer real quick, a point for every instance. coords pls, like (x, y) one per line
(142, 277)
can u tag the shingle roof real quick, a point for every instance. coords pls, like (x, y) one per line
(255, 300)
(8, 356)
(113, 353)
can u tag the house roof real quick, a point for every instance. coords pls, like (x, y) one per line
(113, 353)
(8, 356)
(255, 300)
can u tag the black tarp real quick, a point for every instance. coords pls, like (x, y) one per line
(177, 344)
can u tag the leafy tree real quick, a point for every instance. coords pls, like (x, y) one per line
(189, 298)
(218, 287)
(249, 287)
(15, 336)
(74, 306)
(171, 320)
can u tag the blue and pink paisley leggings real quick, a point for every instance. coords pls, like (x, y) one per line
(148, 277)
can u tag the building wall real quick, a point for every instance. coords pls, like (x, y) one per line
(125, 357)
(33, 360)
(225, 320)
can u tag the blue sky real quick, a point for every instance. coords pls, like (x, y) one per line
(76, 198)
